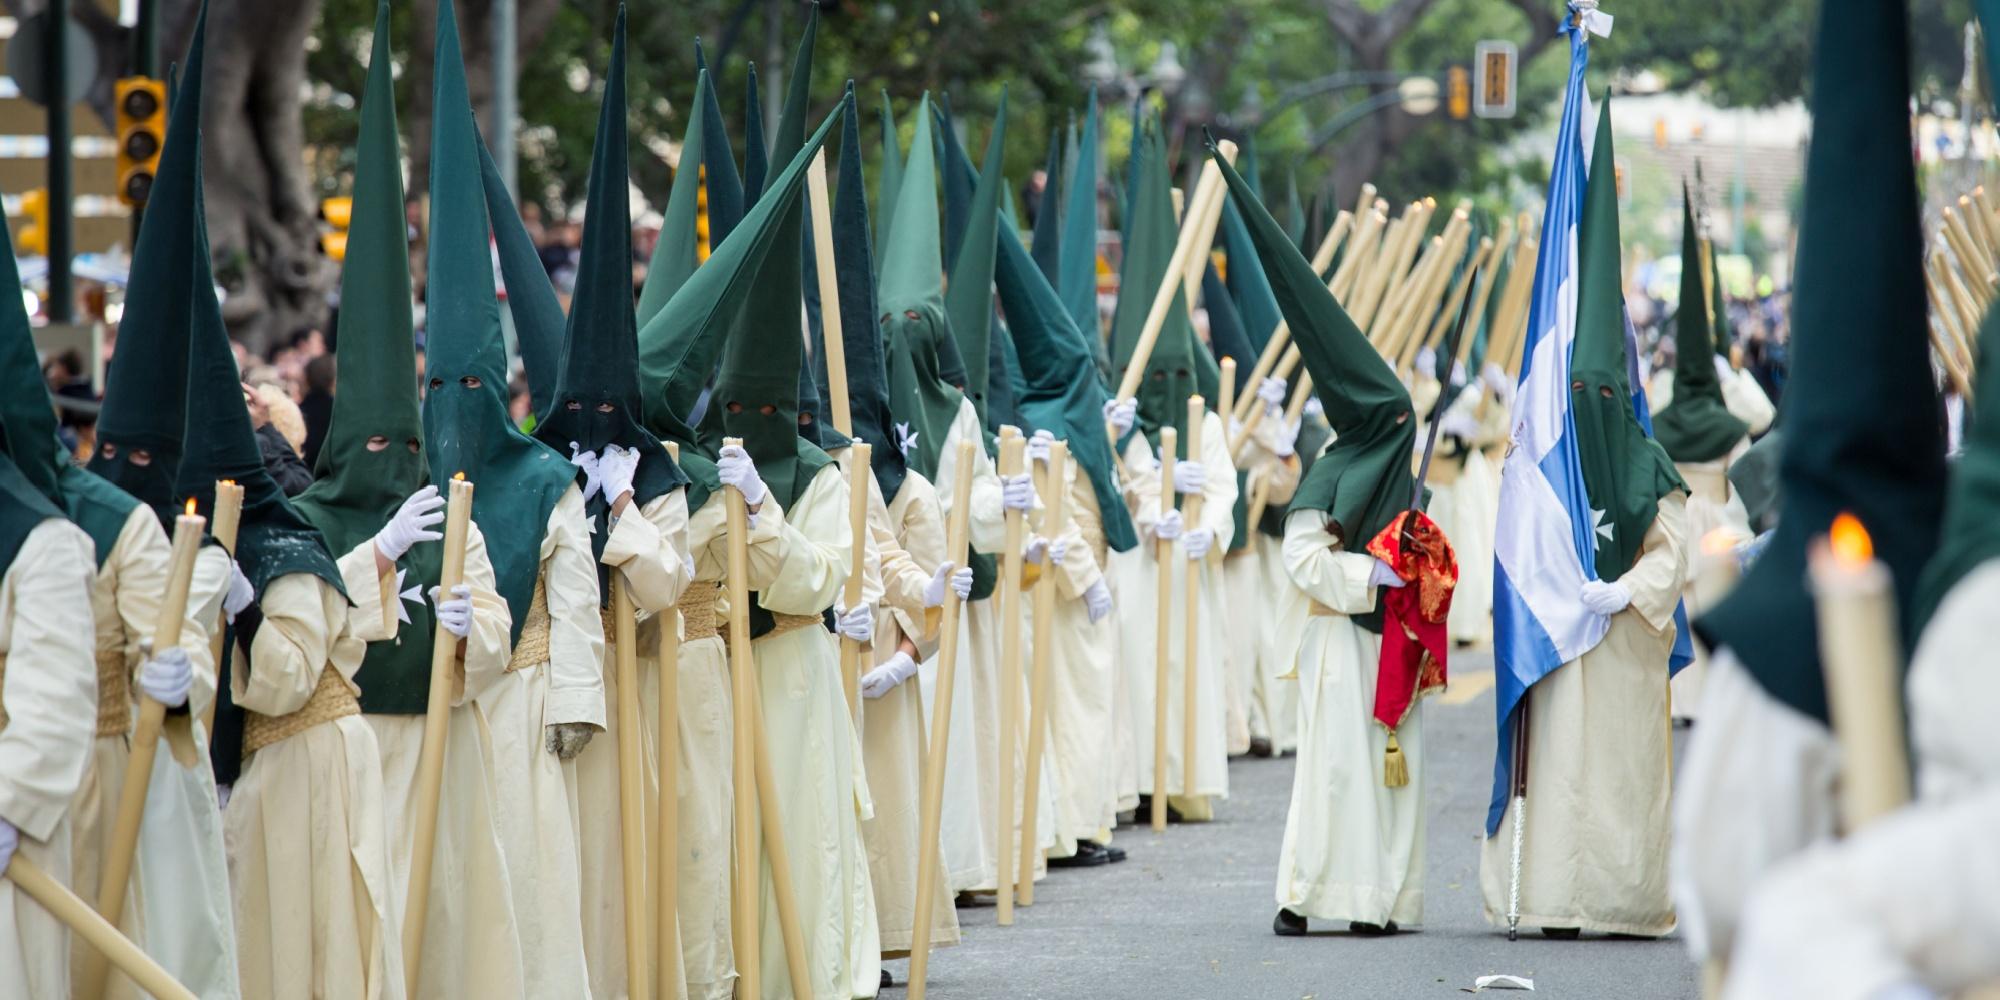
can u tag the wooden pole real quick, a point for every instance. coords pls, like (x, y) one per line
(1188, 245)
(931, 806)
(103, 936)
(829, 302)
(1260, 497)
(1055, 490)
(746, 916)
(1163, 554)
(1480, 295)
(859, 455)
(1226, 398)
(228, 514)
(670, 981)
(1987, 218)
(1434, 336)
(1012, 447)
(1197, 415)
(1982, 235)
(783, 889)
(631, 788)
(437, 727)
(117, 874)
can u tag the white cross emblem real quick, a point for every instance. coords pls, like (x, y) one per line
(905, 438)
(413, 595)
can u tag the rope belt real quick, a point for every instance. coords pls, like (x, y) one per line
(697, 607)
(331, 699)
(114, 694)
(792, 623)
(533, 649)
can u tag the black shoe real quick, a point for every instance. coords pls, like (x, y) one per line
(1089, 854)
(1360, 929)
(1562, 933)
(1260, 747)
(1114, 854)
(1288, 924)
(887, 980)
(972, 900)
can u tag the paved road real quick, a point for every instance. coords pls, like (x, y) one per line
(1190, 914)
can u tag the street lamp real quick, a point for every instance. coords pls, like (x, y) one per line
(1167, 73)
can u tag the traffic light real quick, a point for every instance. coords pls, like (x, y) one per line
(34, 235)
(1458, 93)
(141, 103)
(337, 212)
(701, 244)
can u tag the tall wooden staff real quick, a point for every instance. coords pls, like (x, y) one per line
(835, 353)
(779, 856)
(117, 875)
(1197, 414)
(667, 819)
(1055, 490)
(631, 788)
(105, 941)
(932, 803)
(1012, 446)
(437, 727)
(228, 514)
(1163, 554)
(745, 912)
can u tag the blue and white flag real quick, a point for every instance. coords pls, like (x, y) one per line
(1544, 548)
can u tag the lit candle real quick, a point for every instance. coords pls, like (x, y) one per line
(1862, 659)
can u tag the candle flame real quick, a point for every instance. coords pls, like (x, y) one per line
(1849, 541)
(229, 482)
(190, 507)
(458, 477)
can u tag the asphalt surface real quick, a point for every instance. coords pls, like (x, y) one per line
(1189, 915)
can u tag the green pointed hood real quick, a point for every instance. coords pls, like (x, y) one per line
(792, 122)
(1179, 366)
(718, 163)
(1249, 288)
(968, 300)
(1624, 472)
(596, 400)
(531, 298)
(358, 490)
(756, 151)
(1226, 339)
(1363, 481)
(1078, 282)
(1295, 212)
(1695, 426)
(911, 298)
(676, 253)
(518, 480)
(890, 180)
(1863, 425)
(1719, 308)
(1061, 392)
(861, 344)
(1049, 212)
(145, 398)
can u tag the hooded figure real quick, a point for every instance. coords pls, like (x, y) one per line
(1078, 282)
(972, 203)
(1348, 854)
(370, 470)
(1858, 335)
(1696, 426)
(531, 299)
(1598, 758)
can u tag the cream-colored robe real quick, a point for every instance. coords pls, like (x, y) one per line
(1253, 576)
(180, 878)
(1465, 503)
(1354, 847)
(648, 548)
(471, 938)
(1600, 767)
(1083, 667)
(1713, 506)
(49, 694)
(308, 841)
(814, 753)
(1137, 641)
(907, 545)
(534, 800)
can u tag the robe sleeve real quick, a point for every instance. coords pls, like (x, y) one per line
(902, 580)
(1142, 483)
(1908, 900)
(707, 531)
(489, 646)
(1218, 505)
(1261, 455)
(305, 630)
(649, 546)
(988, 518)
(803, 574)
(50, 692)
(1322, 570)
(1660, 573)
(920, 531)
(374, 616)
(140, 561)
(576, 628)
(1079, 570)
(206, 590)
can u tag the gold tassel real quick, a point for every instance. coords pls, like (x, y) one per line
(1395, 770)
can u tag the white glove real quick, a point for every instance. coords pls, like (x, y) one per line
(1426, 361)
(1197, 542)
(10, 838)
(1121, 415)
(1497, 380)
(961, 582)
(958, 578)
(1168, 527)
(454, 614)
(166, 677)
(222, 797)
(1285, 441)
(1038, 446)
(413, 522)
(567, 739)
(858, 624)
(1459, 423)
(240, 593)
(1272, 392)
(883, 679)
(1017, 492)
(1314, 408)
(615, 469)
(1384, 575)
(592, 472)
(1605, 598)
(734, 467)
(1189, 477)
(1097, 600)
(1036, 549)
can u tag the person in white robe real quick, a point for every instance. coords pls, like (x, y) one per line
(1271, 460)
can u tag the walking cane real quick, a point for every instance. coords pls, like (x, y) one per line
(1012, 447)
(437, 727)
(1055, 489)
(932, 805)
(1163, 614)
(117, 875)
(746, 921)
(666, 832)
(105, 941)
(1197, 414)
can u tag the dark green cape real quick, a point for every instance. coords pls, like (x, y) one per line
(1695, 426)
(23, 508)
(1863, 424)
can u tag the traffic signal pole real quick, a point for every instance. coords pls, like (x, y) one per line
(145, 62)
(55, 73)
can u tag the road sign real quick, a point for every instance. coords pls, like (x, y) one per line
(1493, 79)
